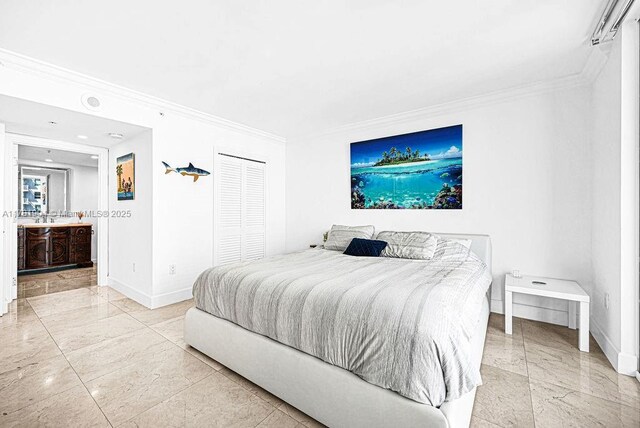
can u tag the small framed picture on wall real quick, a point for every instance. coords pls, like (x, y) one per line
(125, 172)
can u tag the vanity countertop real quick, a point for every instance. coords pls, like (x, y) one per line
(43, 225)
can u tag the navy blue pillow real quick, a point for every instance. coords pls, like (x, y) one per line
(365, 247)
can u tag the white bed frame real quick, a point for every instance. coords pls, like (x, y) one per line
(331, 395)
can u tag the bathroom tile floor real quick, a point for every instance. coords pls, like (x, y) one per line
(92, 357)
(38, 284)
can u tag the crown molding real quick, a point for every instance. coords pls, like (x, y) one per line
(468, 103)
(25, 64)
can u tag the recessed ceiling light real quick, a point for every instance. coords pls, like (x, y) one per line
(116, 136)
(48, 160)
(82, 137)
(94, 156)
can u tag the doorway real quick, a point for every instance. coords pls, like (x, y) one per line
(57, 242)
(40, 126)
(51, 248)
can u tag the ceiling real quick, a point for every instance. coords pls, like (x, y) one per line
(39, 154)
(293, 67)
(29, 118)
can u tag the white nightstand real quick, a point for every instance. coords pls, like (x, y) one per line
(555, 288)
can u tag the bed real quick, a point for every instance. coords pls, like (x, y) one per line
(328, 363)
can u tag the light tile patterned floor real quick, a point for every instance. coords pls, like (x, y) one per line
(538, 377)
(38, 284)
(91, 357)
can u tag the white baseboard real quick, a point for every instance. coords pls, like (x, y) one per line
(151, 302)
(623, 363)
(130, 292)
(627, 364)
(607, 346)
(172, 297)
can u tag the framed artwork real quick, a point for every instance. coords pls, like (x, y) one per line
(421, 170)
(125, 171)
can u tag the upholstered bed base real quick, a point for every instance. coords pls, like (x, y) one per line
(331, 395)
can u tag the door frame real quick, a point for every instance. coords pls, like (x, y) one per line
(10, 201)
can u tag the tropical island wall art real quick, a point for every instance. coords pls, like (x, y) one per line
(421, 170)
(125, 171)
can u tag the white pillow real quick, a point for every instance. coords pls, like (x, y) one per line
(452, 249)
(408, 245)
(340, 236)
(464, 242)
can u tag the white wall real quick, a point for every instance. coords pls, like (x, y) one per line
(605, 184)
(84, 197)
(5, 259)
(182, 223)
(131, 223)
(630, 196)
(526, 183)
(614, 228)
(183, 210)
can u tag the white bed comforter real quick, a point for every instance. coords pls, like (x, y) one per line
(400, 324)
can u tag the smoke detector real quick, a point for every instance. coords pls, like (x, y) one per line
(91, 102)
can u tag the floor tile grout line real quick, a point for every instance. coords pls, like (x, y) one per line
(74, 370)
(251, 392)
(180, 347)
(272, 407)
(105, 320)
(266, 417)
(634, 409)
(502, 335)
(526, 361)
(115, 370)
(43, 399)
(148, 327)
(82, 307)
(616, 403)
(169, 397)
(565, 386)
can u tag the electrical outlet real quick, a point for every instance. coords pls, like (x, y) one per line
(607, 300)
(133, 267)
(172, 269)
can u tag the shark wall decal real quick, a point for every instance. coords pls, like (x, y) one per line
(190, 170)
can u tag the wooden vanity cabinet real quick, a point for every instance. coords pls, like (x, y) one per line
(54, 246)
(80, 248)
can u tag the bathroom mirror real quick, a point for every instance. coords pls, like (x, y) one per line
(43, 191)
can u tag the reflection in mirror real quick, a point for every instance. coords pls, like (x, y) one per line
(43, 191)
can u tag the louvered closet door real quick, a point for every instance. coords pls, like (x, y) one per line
(240, 210)
(254, 222)
(228, 236)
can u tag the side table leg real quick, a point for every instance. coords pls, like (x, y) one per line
(583, 343)
(508, 311)
(573, 306)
